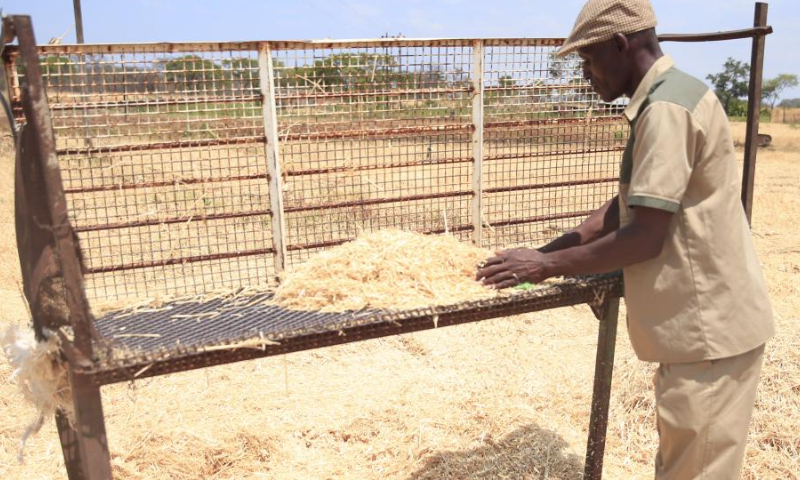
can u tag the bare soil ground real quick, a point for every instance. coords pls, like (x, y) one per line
(506, 398)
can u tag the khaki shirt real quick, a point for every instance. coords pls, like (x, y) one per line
(704, 296)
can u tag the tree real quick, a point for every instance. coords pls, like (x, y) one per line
(506, 81)
(790, 103)
(243, 73)
(191, 73)
(772, 88)
(351, 72)
(59, 71)
(731, 83)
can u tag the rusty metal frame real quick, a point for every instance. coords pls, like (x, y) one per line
(753, 111)
(85, 447)
(608, 314)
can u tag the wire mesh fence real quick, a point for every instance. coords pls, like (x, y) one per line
(195, 167)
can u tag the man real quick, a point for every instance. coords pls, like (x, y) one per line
(696, 299)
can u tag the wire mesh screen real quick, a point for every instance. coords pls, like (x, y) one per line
(372, 138)
(552, 147)
(165, 151)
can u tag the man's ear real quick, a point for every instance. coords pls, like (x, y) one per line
(622, 43)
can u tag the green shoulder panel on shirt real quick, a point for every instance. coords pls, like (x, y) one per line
(652, 202)
(673, 86)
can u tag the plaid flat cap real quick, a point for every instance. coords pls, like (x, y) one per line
(599, 20)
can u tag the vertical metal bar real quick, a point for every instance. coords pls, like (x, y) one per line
(601, 396)
(267, 80)
(85, 447)
(477, 141)
(5, 91)
(68, 438)
(753, 112)
(76, 5)
(12, 80)
(37, 115)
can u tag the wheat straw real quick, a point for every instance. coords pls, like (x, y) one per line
(388, 269)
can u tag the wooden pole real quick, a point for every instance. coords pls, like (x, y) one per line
(76, 5)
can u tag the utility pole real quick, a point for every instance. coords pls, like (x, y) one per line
(78, 20)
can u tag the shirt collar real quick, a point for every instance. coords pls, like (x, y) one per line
(656, 70)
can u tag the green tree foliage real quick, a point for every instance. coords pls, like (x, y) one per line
(241, 73)
(59, 70)
(790, 103)
(356, 72)
(506, 81)
(567, 71)
(194, 73)
(737, 108)
(731, 83)
(772, 88)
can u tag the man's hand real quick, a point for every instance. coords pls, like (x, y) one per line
(512, 267)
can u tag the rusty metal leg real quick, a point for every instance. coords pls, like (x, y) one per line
(69, 447)
(85, 447)
(601, 396)
(753, 112)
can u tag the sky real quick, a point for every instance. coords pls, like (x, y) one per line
(118, 21)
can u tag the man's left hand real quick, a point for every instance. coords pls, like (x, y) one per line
(512, 267)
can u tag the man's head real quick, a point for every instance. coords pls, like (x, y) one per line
(616, 39)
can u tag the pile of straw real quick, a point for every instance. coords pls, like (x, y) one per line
(388, 269)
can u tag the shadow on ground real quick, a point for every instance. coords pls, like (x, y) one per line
(528, 453)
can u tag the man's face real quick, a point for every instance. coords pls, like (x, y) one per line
(605, 66)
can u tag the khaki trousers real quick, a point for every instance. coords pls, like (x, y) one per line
(703, 412)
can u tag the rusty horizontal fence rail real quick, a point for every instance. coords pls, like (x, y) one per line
(378, 201)
(152, 103)
(160, 146)
(717, 36)
(540, 218)
(334, 243)
(169, 221)
(366, 168)
(168, 183)
(556, 153)
(538, 186)
(178, 261)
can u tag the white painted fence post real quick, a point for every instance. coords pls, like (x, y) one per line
(477, 141)
(272, 147)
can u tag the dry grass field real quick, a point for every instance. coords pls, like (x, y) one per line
(501, 399)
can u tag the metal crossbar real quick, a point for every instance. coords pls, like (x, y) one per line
(198, 167)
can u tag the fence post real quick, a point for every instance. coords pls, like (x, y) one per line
(753, 112)
(477, 141)
(267, 81)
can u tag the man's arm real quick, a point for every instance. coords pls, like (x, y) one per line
(600, 223)
(636, 242)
